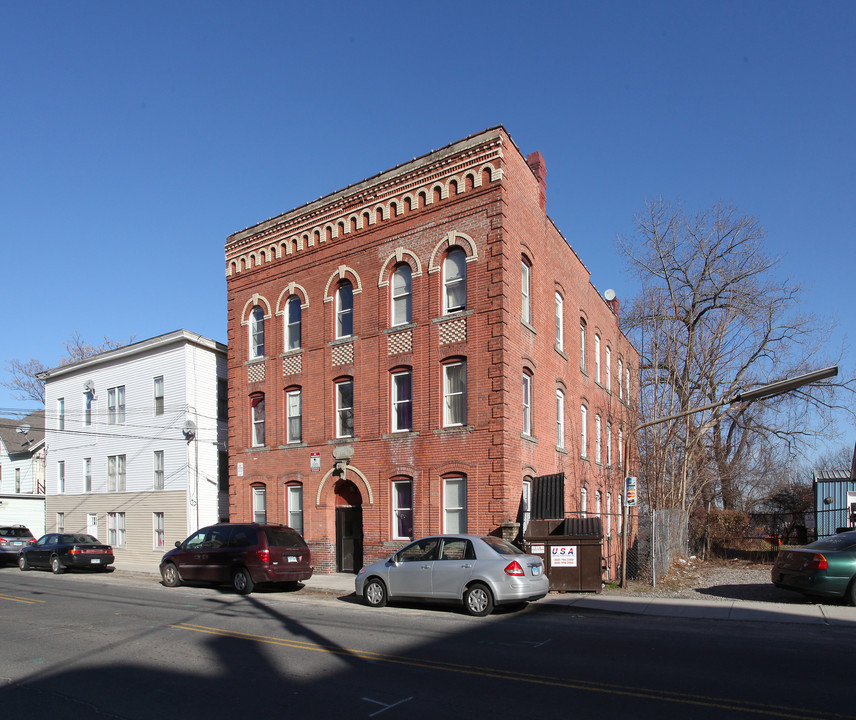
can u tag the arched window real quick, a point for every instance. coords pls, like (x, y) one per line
(560, 419)
(455, 281)
(257, 332)
(583, 345)
(257, 411)
(345, 309)
(527, 403)
(583, 431)
(525, 292)
(293, 318)
(560, 331)
(402, 298)
(345, 408)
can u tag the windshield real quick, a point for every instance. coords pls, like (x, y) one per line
(844, 541)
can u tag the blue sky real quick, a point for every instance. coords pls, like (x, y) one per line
(136, 136)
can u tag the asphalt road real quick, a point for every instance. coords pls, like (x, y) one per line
(122, 646)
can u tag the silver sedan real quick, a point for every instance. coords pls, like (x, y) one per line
(478, 571)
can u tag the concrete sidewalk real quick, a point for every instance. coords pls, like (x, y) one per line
(834, 613)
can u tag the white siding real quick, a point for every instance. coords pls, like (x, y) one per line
(189, 495)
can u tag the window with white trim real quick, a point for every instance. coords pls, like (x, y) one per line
(345, 408)
(293, 323)
(87, 475)
(608, 360)
(60, 522)
(60, 414)
(115, 473)
(597, 439)
(582, 345)
(527, 404)
(620, 384)
(345, 309)
(293, 416)
(60, 475)
(295, 507)
(455, 281)
(158, 395)
(455, 394)
(87, 409)
(116, 529)
(560, 322)
(609, 444)
(525, 293)
(158, 481)
(402, 295)
(157, 530)
(560, 419)
(597, 358)
(257, 332)
(116, 405)
(583, 431)
(455, 505)
(259, 504)
(402, 401)
(402, 510)
(525, 505)
(583, 502)
(257, 413)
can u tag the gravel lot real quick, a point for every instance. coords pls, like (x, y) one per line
(726, 580)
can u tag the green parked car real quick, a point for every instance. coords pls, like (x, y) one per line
(825, 568)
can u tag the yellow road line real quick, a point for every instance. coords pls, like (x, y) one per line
(12, 598)
(745, 706)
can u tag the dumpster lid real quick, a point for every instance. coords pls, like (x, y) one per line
(582, 527)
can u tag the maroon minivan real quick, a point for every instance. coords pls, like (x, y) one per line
(242, 554)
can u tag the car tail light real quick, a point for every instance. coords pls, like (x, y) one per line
(2, 541)
(264, 555)
(75, 551)
(514, 568)
(817, 562)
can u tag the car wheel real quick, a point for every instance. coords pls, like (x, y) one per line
(57, 566)
(850, 595)
(23, 563)
(169, 573)
(477, 600)
(242, 582)
(374, 593)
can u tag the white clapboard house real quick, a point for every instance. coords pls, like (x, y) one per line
(135, 444)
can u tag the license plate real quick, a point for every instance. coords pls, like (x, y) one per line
(95, 561)
(536, 570)
(17, 543)
(292, 558)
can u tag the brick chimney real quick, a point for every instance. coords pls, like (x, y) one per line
(539, 167)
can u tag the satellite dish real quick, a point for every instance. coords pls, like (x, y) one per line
(89, 387)
(609, 295)
(189, 430)
(23, 429)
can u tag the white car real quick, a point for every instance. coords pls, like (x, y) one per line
(478, 571)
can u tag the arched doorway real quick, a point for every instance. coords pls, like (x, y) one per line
(349, 527)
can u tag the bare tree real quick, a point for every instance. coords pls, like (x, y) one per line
(23, 379)
(713, 318)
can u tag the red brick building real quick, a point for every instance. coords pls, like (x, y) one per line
(414, 353)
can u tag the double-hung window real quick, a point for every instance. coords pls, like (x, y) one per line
(402, 510)
(257, 332)
(87, 474)
(116, 405)
(345, 408)
(295, 507)
(597, 359)
(527, 404)
(257, 408)
(583, 431)
(402, 295)
(455, 281)
(560, 419)
(582, 346)
(294, 416)
(115, 473)
(608, 360)
(597, 440)
(116, 529)
(60, 412)
(158, 482)
(455, 394)
(345, 310)
(293, 320)
(157, 530)
(455, 505)
(560, 323)
(525, 292)
(259, 504)
(60, 482)
(159, 402)
(402, 401)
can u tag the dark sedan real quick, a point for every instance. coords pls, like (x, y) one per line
(61, 551)
(826, 568)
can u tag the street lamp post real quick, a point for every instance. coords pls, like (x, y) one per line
(775, 388)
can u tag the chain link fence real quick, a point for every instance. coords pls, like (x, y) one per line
(655, 540)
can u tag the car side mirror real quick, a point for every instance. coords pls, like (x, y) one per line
(178, 543)
(395, 561)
